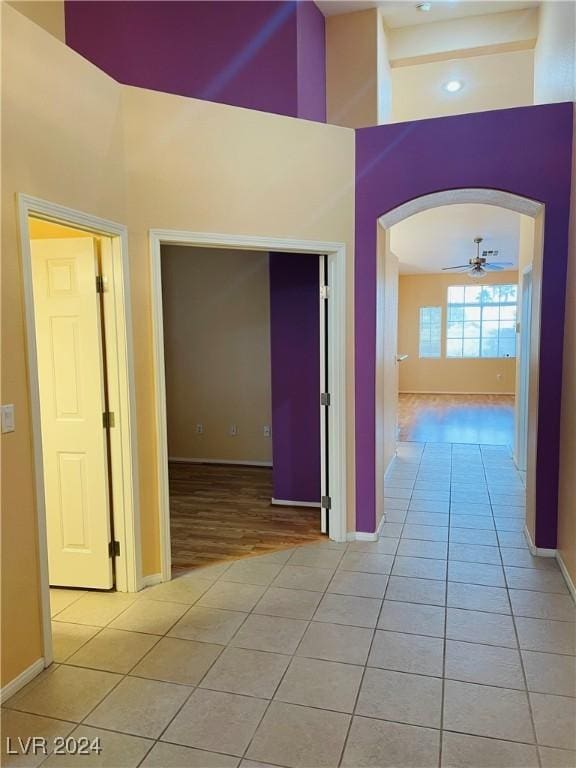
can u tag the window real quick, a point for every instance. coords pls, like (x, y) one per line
(481, 321)
(430, 331)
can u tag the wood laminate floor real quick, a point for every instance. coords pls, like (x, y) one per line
(479, 419)
(222, 512)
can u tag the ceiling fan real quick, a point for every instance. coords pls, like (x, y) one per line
(479, 266)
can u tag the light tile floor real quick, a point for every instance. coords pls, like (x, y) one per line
(444, 643)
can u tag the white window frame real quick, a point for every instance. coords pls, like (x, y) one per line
(481, 305)
(420, 354)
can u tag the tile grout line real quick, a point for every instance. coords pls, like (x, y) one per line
(519, 650)
(309, 623)
(365, 666)
(445, 640)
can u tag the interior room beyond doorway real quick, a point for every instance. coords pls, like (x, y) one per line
(458, 330)
(242, 365)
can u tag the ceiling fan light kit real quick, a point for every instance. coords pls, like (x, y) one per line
(479, 266)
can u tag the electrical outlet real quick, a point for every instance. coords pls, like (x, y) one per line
(267, 431)
(8, 424)
(199, 429)
(233, 430)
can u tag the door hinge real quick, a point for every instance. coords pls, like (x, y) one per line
(324, 291)
(326, 502)
(108, 419)
(325, 398)
(99, 284)
(113, 549)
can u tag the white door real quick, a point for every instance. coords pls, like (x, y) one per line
(524, 371)
(72, 401)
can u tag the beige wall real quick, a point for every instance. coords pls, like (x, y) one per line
(555, 53)
(567, 498)
(48, 14)
(383, 74)
(443, 374)
(212, 168)
(352, 58)
(463, 37)
(73, 136)
(498, 81)
(217, 351)
(44, 87)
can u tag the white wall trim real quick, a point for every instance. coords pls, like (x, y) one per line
(381, 525)
(288, 503)
(361, 536)
(337, 361)
(567, 578)
(543, 552)
(538, 551)
(23, 678)
(127, 518)
(151, 580)
(451, 196)
(232, 462)
(446, 392)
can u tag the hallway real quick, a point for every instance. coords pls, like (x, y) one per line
(444, 642)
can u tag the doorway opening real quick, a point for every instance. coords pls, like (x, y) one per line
(82, 400)
(219, 425)
(242, 366)
(464, 348)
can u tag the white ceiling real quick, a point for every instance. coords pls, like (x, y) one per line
(403, 13)
(444, 237)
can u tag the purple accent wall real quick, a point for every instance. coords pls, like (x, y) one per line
(526, 151)
(266, 55)
(295, 362)
(311, 44)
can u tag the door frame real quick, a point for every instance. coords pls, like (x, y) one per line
(118, 322)
(336, 253)
(523, 372)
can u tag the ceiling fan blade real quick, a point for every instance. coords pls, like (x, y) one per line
(499, 264)
(492, 267)
(460, 266)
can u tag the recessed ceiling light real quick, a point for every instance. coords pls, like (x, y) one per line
(453, 86)
(424, 7)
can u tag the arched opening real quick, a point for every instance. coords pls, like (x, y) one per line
(386, 357)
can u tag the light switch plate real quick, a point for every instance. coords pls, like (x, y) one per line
(8, 423)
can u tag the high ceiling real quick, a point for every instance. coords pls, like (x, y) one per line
(403, 13)
(444, 237)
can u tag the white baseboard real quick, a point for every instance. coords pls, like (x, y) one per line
(151, 580)
(238, 462)
(288, 503)
(23, 678)
(364, 535)
(538, 551)
(543, 552)
(427, 392)
(567, 578)
(361, 536)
